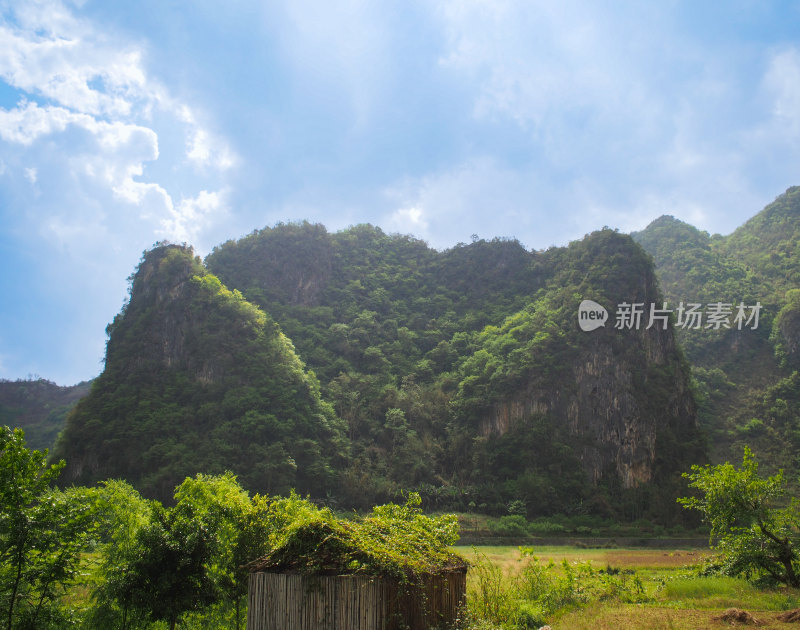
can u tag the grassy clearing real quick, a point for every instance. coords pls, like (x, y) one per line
(653, 617)
(573, 588)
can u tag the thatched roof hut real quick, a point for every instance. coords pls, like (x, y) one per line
(390, 570)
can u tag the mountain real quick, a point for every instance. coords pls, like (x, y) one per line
(197, 379)
(438, 361)
(356, 364)
(746, 385)
(462, 374)
(39, 407)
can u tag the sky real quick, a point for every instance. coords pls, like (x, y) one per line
(123, 124)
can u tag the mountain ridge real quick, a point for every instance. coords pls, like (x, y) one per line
(439, 365)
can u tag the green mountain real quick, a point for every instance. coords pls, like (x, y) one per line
(747, 390)
(462, 374)
(197, 379)
(355, 365)
(39, 407)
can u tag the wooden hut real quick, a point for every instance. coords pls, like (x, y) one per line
(371, 574)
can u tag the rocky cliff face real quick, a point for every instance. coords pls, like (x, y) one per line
(604, 405)
(621, 393)
(197, 380)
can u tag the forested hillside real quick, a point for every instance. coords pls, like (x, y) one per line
(39, 407)
(358, 365)
(747, 385)
(197, 379)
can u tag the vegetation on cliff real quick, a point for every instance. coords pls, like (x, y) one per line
(460, 374)
(39, 407)
(745, 382)
(197, 379)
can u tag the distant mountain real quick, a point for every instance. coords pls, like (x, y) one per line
(746, 387)
(39, 407)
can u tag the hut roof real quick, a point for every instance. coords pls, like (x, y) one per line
(391, 540)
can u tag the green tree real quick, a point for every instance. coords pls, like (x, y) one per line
(160, 563)
(168, 576)
(123, 514)
(751, 525)
(236, 534)
(42, 532)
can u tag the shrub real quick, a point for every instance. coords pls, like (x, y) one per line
(545, 528)
(512, 525)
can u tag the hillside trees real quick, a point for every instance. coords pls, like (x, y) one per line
(357, 365)
(42, 533)
(199, 379)
(737, 371)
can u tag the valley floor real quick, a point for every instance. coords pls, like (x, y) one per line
(597, 589)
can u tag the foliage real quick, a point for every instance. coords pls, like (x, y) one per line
(786, 331)
(39, 407)
(537, 591)
(122, 515)
(163, 563)
(196, 377)
(396, 540)
(756, 536)
(42, 532)
(736, 370)
(359, 365)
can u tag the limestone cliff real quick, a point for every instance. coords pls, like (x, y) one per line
(622, 395)
(197, 380)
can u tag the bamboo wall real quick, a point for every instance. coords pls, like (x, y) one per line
(279, 601)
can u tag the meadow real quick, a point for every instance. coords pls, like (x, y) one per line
(576, 588)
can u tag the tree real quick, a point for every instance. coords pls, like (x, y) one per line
(236, 533)
(42, 532)
(168, 577)
(160, 563)
(751, 525)
(122, 513)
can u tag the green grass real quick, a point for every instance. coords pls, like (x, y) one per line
(672, 595)
(727, 592)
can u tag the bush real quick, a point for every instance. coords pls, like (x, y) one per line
(513, 525)
(539, 590)
(545, 528)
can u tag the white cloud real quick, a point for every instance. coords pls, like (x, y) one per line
(97, 129)
(27, 122)
(782, 84)
(205, 150)
(62, 60)
(30, 175)
(536, 63)
(408, 220)
(191, 216)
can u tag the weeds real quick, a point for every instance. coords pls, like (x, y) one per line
(540, 590)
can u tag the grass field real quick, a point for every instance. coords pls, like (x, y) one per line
(669, 594)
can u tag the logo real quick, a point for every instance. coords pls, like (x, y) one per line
(591, 315)
(691, 316)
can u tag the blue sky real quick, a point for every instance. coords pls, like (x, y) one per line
(122, 124)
